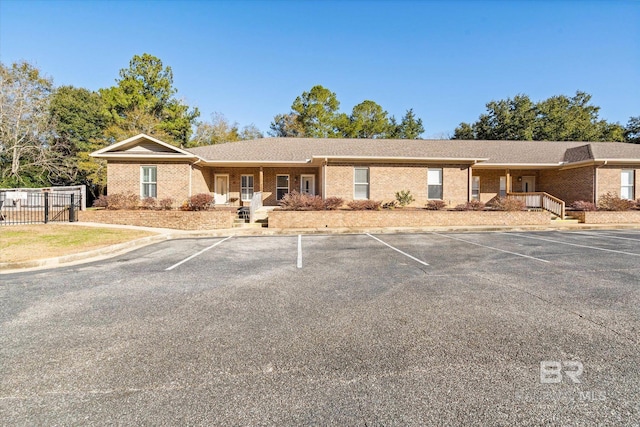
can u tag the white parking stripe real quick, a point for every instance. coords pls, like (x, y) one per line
(196, 254)
(299, 265)
(573, 244)
(584, 233)
(491, 247)
(398, 250)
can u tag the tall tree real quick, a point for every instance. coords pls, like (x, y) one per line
(26, 155)
(143, 100)
(286, 126)
(632, 130)
(79, 118)
(221, 130)
(410, 126)
(316, 112)
(367, 120)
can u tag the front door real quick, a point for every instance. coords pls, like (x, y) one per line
(528, 184)
(308, 184)
(221, 189)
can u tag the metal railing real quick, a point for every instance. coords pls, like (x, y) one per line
(36, 208)
(256, 203)
(541, 200)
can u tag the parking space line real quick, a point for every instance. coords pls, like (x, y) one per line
(491, 247)
(573, 244)
(398, 250)
(605, 235)
(299, 264)
(196, 254)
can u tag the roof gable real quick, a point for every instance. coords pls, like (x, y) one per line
(142, 146)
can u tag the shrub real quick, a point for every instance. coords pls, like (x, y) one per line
(509, 204)
(199, 202)
(472, 205)
(404, 198)
(149, 203)
(295, 201)
(638, 204)
(390, 205)
(436, 205)
(333, 203)
(166, 203)
(365, 205)
(117, 201)
(101, 202)
(583, 205)
(611, 202)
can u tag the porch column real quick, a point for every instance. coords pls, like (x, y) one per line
(261, 179)
(508, 181)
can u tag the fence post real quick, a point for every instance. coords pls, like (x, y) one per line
(72, 210)
(46, 207)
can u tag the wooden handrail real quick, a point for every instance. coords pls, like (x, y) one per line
(546, 201)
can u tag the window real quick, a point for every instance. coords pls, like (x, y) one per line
(360, 183)
(434, 183)
(282, 186)
(626, 180)
(148, 180)
(475, 188)
(246, 187)
(503, 186)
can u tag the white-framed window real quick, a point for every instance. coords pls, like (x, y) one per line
(475, 188)
(148, 181)
(503, 186)
(246, 187)
(627, 178)
(282, 186)
(434, 183)
(360, 183)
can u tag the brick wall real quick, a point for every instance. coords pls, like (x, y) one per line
(179, 220)
(627, 217)
(609, 180)
(569, 184)
(172, 179)
(401, 218)
(385, 180)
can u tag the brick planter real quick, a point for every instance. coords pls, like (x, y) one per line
(607, 217)
(401, 218)
(179, 220)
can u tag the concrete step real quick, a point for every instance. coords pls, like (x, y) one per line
(247, 225)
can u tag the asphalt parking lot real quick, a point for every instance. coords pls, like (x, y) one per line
(518, 328)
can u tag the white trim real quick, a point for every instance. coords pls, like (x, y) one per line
(109, 148)
(368, 183)
(631, 186)
(253, 182)
(313, 183)
(280, 188)
(441, 183)
(533, 183)
(142, 183)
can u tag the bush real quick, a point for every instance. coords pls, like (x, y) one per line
(295, 201)
(166, 203)
(472, 205)
(509, 204)
(199, 202)
(332, 203)
(638, 204)
(583, 205)
(365, 205)
(101, 202)
(149, 203)
(404, 197)
(390, 205)
(436, 205)
(611, 202)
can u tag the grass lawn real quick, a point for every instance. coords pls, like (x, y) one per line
(31, 242)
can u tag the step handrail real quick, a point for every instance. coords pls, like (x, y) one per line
(543, 200)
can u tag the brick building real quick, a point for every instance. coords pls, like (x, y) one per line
(451, 170)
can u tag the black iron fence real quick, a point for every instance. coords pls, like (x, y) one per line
(18, 207)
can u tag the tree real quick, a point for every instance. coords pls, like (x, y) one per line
(410, 126)
(26, 155)
(632, 130)
(221, 130)
(367, 120)
(286, 126)
(80, 121)
(558, 118)
(317, 111)
(144, 101)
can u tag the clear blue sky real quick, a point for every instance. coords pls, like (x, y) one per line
(249, 59)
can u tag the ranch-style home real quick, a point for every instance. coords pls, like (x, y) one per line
(454, 171)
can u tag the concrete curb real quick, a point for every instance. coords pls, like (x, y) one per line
(169, 234)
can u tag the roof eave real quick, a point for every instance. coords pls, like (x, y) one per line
(403, 159)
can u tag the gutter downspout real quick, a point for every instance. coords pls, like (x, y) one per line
(191, 176)
(595, 181)
(324, 179)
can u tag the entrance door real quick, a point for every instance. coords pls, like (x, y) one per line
(308, 184)
(221, 189)
(528, 184)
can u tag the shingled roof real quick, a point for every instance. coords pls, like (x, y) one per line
(304, 150)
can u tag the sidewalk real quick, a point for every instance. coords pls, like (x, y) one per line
(163, 234)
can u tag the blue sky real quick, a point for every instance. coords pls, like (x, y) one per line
(249, 59)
